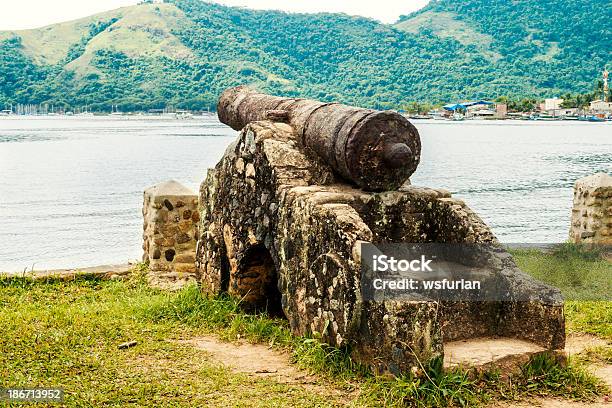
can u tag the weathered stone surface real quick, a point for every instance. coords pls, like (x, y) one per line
(592, 211)
(286, 236)
(170, 232)
(507, 355)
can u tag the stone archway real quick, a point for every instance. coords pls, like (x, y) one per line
(256, 282)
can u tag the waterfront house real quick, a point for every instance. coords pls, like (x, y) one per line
(552, 107)
(501, 110)
(482, 113)
(600, 106)
(470, 109)
(567, 111)
(552, 104)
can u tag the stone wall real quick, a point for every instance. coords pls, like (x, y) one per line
(592, 210)
(170, 235)
(282, 232)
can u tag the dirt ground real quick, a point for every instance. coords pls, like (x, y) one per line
(258, 360)
(261, 361)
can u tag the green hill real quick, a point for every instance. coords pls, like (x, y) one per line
(185, 52)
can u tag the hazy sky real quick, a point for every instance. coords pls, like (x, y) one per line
(22, 14)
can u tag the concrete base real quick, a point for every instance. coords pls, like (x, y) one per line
(505, 354)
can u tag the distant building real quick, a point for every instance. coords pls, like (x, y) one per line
(478, 105)
(470, 109)
(501, 110)
(567, 112)
(552, 104)
(601, 106)
(482, 113)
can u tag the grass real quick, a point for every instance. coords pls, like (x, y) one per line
(51, 44)
(581, 273)
(597, 354)
(585, 279)
(447, 25)
(589, 317)
(66, 335)
(543, 376)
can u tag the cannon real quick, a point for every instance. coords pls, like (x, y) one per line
(376, 150)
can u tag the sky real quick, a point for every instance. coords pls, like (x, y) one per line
(22, 14)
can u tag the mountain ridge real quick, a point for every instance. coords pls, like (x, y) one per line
(185, 52)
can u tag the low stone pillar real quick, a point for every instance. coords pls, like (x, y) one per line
(592, 212)
(170, 235)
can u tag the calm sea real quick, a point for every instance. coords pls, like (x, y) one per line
(71, 188)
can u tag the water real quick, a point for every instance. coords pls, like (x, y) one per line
(71, 188)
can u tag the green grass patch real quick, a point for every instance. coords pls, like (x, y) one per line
(65, 334)
(597, 354)
(584, 277)
(429, 388)
(593, 317)
(544, 377)
(223, 316)
(579, 272)
(58, 334)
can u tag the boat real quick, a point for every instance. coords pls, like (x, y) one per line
(435, 115)
(595, 119)
(182, 115)
(549, 117)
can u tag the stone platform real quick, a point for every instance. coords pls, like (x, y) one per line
(484, 353)
(281, 231)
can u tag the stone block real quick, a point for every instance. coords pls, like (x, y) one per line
(168, 232)
(592, 210)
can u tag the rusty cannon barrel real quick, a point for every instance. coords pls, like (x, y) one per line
(376, 150)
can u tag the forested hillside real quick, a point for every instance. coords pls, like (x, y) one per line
(549, 44)
(185, 52)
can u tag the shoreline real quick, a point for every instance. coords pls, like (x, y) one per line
(204, 119)
(113, 271)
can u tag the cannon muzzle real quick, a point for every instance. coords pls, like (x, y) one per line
(376, 150)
